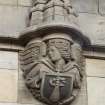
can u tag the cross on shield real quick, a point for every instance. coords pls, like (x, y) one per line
(56, 87)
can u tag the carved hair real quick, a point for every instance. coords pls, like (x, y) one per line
(63, 46)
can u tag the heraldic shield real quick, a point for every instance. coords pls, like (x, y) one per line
(56, 87)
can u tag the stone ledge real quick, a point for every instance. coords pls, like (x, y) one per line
(102, 7)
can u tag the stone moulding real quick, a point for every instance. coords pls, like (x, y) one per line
(40, 31)
(32, 32)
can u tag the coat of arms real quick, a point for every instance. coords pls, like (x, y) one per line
(56, 87)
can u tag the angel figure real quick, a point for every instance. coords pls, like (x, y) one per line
(57, 61)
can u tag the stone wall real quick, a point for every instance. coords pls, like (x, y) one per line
(91, 19)
(13, 19)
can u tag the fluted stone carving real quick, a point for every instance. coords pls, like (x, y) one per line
(49, 10)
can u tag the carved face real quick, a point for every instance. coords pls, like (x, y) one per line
(54, 53)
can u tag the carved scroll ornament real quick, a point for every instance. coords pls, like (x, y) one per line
(52, 71)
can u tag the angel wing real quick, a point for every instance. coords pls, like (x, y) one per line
(77, 55)
(30, 56)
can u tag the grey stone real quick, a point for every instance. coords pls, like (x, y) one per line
(8, 60)
(9, 85)
(11, 46)
(12, 20)
(24, 96)
(36, 18)
(102, 7)
(95, 67)
(40, 50)
(14, 104)
(93, 26)
(48, 62)
(14, 47)
(8, 103)
(89, 6)
(94, 54)
(25, 2)
(8, 2)
(5, 45)
(82, 99)
(96, 89)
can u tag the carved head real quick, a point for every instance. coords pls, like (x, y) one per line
(54, 54)
(59, 46)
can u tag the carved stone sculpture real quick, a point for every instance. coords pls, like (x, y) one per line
(52, 61)
(54, 76)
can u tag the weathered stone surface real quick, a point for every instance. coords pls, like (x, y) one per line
(8, 103)
(96, 90)
(10, 46)
(102, 7)
(5, 45)
(8, 88)
(8, 60)
(90, 6)
(24, 96)
(93, 26)
(95, 67)
(8, 2)
(60, 58)
(82, 98)
(12, 20)
(16, 47)
(25, 2)
(46, 61)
